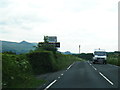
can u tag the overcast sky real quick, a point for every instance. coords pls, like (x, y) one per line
(89, 23)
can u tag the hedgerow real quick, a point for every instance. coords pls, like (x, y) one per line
(15, 70)
(42, 61)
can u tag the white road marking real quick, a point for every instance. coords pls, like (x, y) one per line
(105, 78)
(69, 67)
(94, 67)
(58, 77)
(50, 85)
(62, 74)
(89, 62)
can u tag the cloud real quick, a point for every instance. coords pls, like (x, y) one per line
(4, 3)
(91, 23)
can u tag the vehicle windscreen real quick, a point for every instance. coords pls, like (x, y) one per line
(100, 53)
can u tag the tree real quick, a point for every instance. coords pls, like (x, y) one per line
(45, 39)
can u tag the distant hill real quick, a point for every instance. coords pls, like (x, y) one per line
(18, 48)
(67, 53)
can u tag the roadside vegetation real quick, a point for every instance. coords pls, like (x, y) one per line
(19, 71)
(114, 58)
(85, 56)
(63, 61)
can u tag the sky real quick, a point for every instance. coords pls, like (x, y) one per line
(91, 24)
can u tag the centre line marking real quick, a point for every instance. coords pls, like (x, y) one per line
(69, 67)
(50, 85)
(61, 74)
(95, 68)
(105, 78)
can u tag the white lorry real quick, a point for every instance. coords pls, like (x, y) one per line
(99, 56)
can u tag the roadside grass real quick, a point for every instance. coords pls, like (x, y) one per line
(63, 61)
(33, 83)
(114, 61)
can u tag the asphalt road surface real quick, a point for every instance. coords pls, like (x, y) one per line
(87, 75)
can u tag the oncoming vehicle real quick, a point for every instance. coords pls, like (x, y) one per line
(100, 56)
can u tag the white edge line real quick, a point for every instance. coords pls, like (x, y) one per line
(50, 85)
(106, 78)
(103, 76)
(94, 67)
(89, 63)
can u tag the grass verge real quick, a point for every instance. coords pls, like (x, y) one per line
(33, 83)
(63, 61)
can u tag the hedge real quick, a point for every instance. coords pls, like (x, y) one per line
(42, 61)
(15, 70)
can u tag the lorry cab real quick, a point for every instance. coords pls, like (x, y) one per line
(99, 56)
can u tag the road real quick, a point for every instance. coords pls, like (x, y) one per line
(87, 75)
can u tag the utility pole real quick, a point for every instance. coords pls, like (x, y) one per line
(79, 49)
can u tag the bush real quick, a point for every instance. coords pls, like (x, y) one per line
(46, 47)
(42, 61)
(114, 58)
(85, 56)
(15, 70)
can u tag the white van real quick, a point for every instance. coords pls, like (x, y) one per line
(99, 56)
